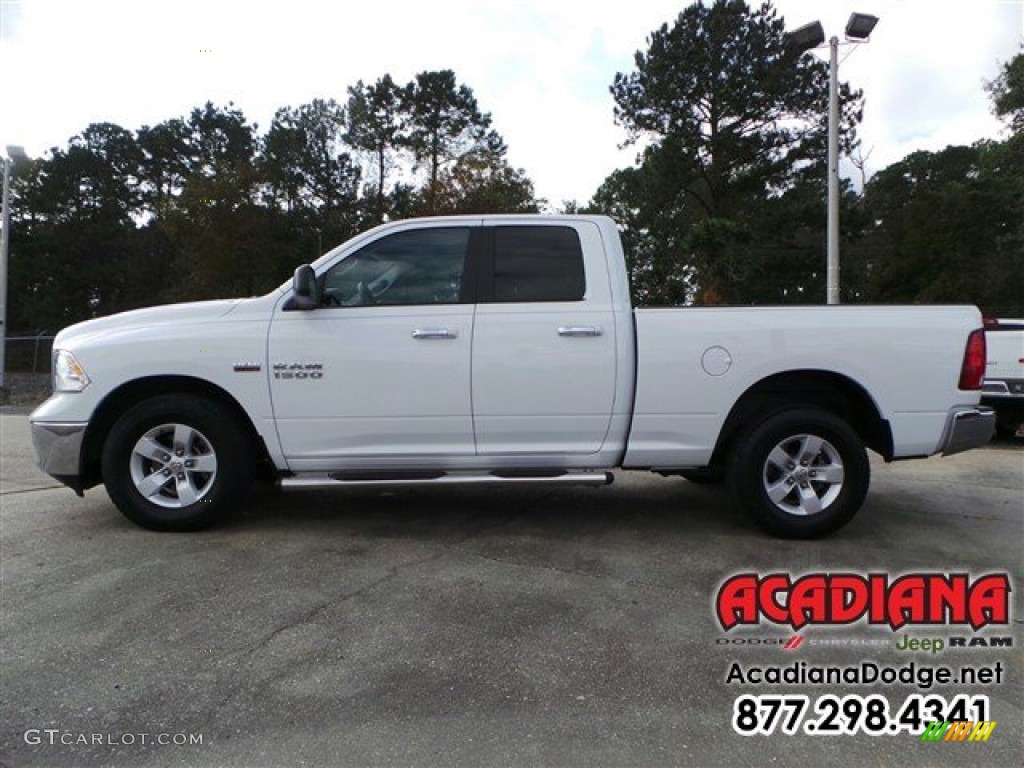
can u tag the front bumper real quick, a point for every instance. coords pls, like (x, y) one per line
(59, 450)
(969, 426)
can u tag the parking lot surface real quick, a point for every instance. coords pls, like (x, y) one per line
(520, 626)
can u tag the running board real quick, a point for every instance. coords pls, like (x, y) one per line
(433, 477)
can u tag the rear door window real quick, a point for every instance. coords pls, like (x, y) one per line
(538, 263)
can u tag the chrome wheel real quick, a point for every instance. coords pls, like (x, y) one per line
(173, 465)
(803, 475)
(802, 472)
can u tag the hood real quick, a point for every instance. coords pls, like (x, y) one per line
(189, 312)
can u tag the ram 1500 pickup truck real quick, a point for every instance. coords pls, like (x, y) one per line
(502, 349)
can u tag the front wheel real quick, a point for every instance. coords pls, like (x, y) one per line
(801, 473)
(176, 463)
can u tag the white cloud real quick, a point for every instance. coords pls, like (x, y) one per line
(542, 68)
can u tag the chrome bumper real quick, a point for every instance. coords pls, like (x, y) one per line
(967, 427)
(59, 448)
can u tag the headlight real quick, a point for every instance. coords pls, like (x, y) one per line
(68, 373)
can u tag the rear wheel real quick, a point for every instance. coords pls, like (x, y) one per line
(176, 463)
(801, 473)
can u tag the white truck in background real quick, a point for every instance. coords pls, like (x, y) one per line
(1003, 387)
(502, 349)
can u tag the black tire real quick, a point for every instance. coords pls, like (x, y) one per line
(190, 498)
(704, 476)
(768, 457)
(1006, 429)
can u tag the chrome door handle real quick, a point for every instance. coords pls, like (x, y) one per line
(580, 330)
(434, 333)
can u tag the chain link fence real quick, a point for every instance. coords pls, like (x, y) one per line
(27, 368)
(29, 353)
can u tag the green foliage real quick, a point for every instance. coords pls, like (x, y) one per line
(374, 125)
(732, 126)
(482, 181)
(165, 163)
(443, 123)
(726, 203)
(310, 180)
(948, 227)
(1007, 92)
(202, 206)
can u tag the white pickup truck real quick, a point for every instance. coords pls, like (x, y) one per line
(1003, 387)
(502, 349)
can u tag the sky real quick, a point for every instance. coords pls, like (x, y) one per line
(542, 68)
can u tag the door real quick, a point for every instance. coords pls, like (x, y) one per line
(379, 374)
(544, 350)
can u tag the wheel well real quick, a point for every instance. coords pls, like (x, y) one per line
(132, 392)
(829, 391)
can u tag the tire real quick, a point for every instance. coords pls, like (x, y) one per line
(158, 488)
(792, 499)
(1006, 429)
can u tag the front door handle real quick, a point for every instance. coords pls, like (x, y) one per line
(434, 333)
(580, 330)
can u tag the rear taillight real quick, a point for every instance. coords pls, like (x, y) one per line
(972, 372)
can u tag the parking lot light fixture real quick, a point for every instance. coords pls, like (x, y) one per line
(806, 38)
(803, 39)
(858, 28)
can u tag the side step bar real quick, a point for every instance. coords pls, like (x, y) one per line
(432, 477)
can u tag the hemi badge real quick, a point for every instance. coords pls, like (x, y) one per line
(247, 367)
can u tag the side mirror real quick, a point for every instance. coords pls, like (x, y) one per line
(305, 291)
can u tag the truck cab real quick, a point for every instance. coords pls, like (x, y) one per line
(495, 342)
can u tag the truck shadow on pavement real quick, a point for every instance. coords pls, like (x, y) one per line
(562, 512)
(643, 513)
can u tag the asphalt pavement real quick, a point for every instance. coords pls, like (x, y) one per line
(518, 626)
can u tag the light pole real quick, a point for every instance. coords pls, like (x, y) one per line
(13, 154)
(806, 38)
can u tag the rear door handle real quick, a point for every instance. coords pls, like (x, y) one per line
(580, 330)
(434, 333)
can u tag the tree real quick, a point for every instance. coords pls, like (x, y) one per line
(97, 176)
(482, 181)
(1007, 92)
(630, 196)
(202, 206)
(310, 183)
(948, 226)
(444, 123)
(945, 228)
(214, 220)
(305, 160)
(76, 250)
(165, 164)
(729, 117)
(374, 121)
